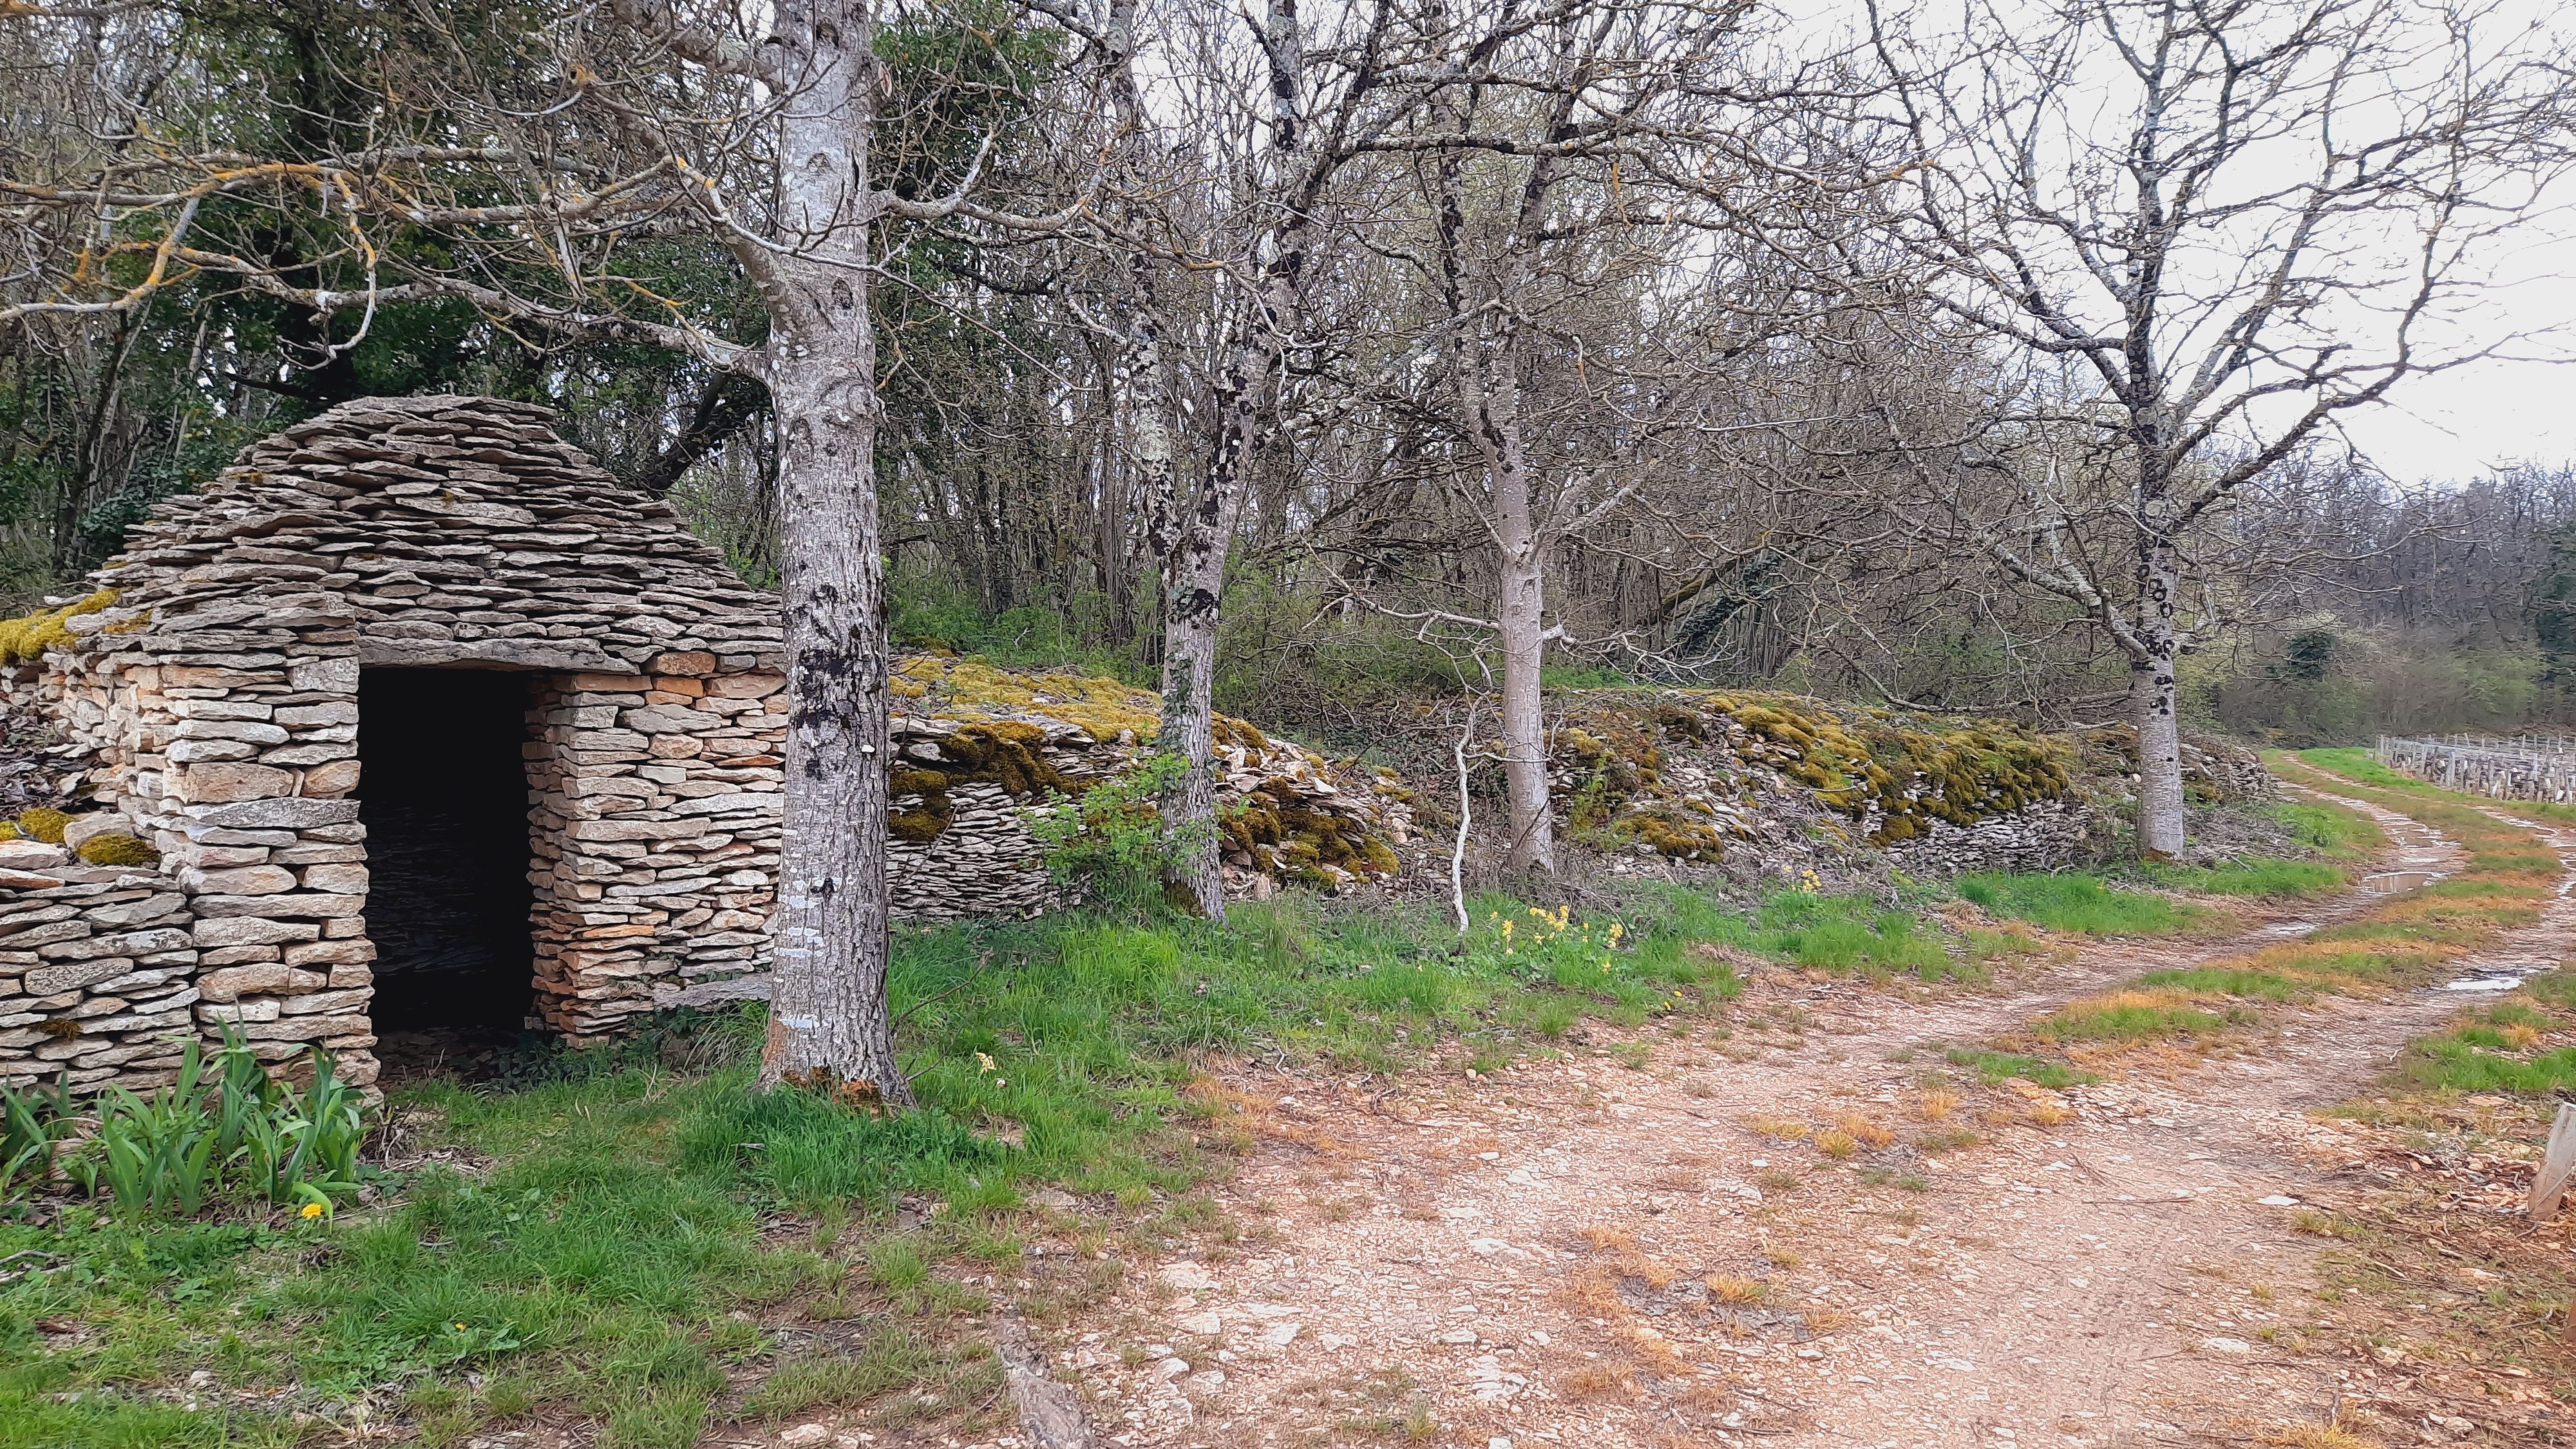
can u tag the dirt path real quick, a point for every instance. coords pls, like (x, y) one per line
(1579, 1253)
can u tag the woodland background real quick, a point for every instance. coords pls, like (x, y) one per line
(1761, 552)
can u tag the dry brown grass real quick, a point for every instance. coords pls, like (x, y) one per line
(1786, 1129)
(1935, 1104)
(1837, 1143)
(1863, 1131)
(1606, 1239)
(1727, 1288)
(1591, 1291)
(1600, 1381)
(1654, 1353)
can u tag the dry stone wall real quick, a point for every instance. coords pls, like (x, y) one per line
(980, 746)
(1696, 775)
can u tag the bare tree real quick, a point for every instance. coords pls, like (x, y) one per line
(573, 172)
(2203, 231)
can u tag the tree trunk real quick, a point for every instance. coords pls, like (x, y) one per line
(1192, 548)
(1533, 850)
(2154, 698)
(829, 1024)
(1519, 610)
(1193, 589)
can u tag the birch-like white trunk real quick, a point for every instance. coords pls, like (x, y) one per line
(2155, 701)
(830, 1025)
(1244, 406)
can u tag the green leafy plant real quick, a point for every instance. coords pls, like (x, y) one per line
(33, 1123)
(221, 1127)
(1108, 841)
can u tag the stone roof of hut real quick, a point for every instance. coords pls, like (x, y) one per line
(448, 530)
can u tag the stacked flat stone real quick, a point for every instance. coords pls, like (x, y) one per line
(213, 709)
(656, 830)
(988, 863)
(109, 960)
(217, 697)
(1736, 781)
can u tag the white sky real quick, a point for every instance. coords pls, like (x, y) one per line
(2448, 427)
(2443, 427)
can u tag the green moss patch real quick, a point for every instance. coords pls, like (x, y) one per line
(1008, 753)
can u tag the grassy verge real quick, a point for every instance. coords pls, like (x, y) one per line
(2461, 1301)
(625, 1248)
(2337, 839)
(2081, 905)
(2400, 942)
(629, 1248)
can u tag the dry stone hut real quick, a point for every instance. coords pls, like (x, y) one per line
(431, 722)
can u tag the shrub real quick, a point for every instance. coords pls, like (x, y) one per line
(1108, 842)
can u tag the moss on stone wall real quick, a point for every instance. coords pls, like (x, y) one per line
(1276, 825)
(23, 640)
(43, 823)
(995, 740)
(1007, 753)
(116, 849)
(1102, 707)
(1868, 766)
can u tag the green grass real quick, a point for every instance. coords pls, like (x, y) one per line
(617, 1257)
(1835, 932)
(1849, 933)
(2134, 1016)
(2335, 833)
(1992, 1067)
(2501, 1047)
(2258, 876)
(626, 1241)
(2080, 904)
(2402, 940)
(2460, 1062)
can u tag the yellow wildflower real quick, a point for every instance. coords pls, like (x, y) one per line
(311, 1210)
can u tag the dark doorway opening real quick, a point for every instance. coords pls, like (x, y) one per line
(443, 789)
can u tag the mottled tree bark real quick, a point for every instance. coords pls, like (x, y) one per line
(1202, 534)
(829, 1024)
(1193, 595)
(2155, 700)
(1493, 396)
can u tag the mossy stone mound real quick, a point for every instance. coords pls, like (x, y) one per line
(1623, 753)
